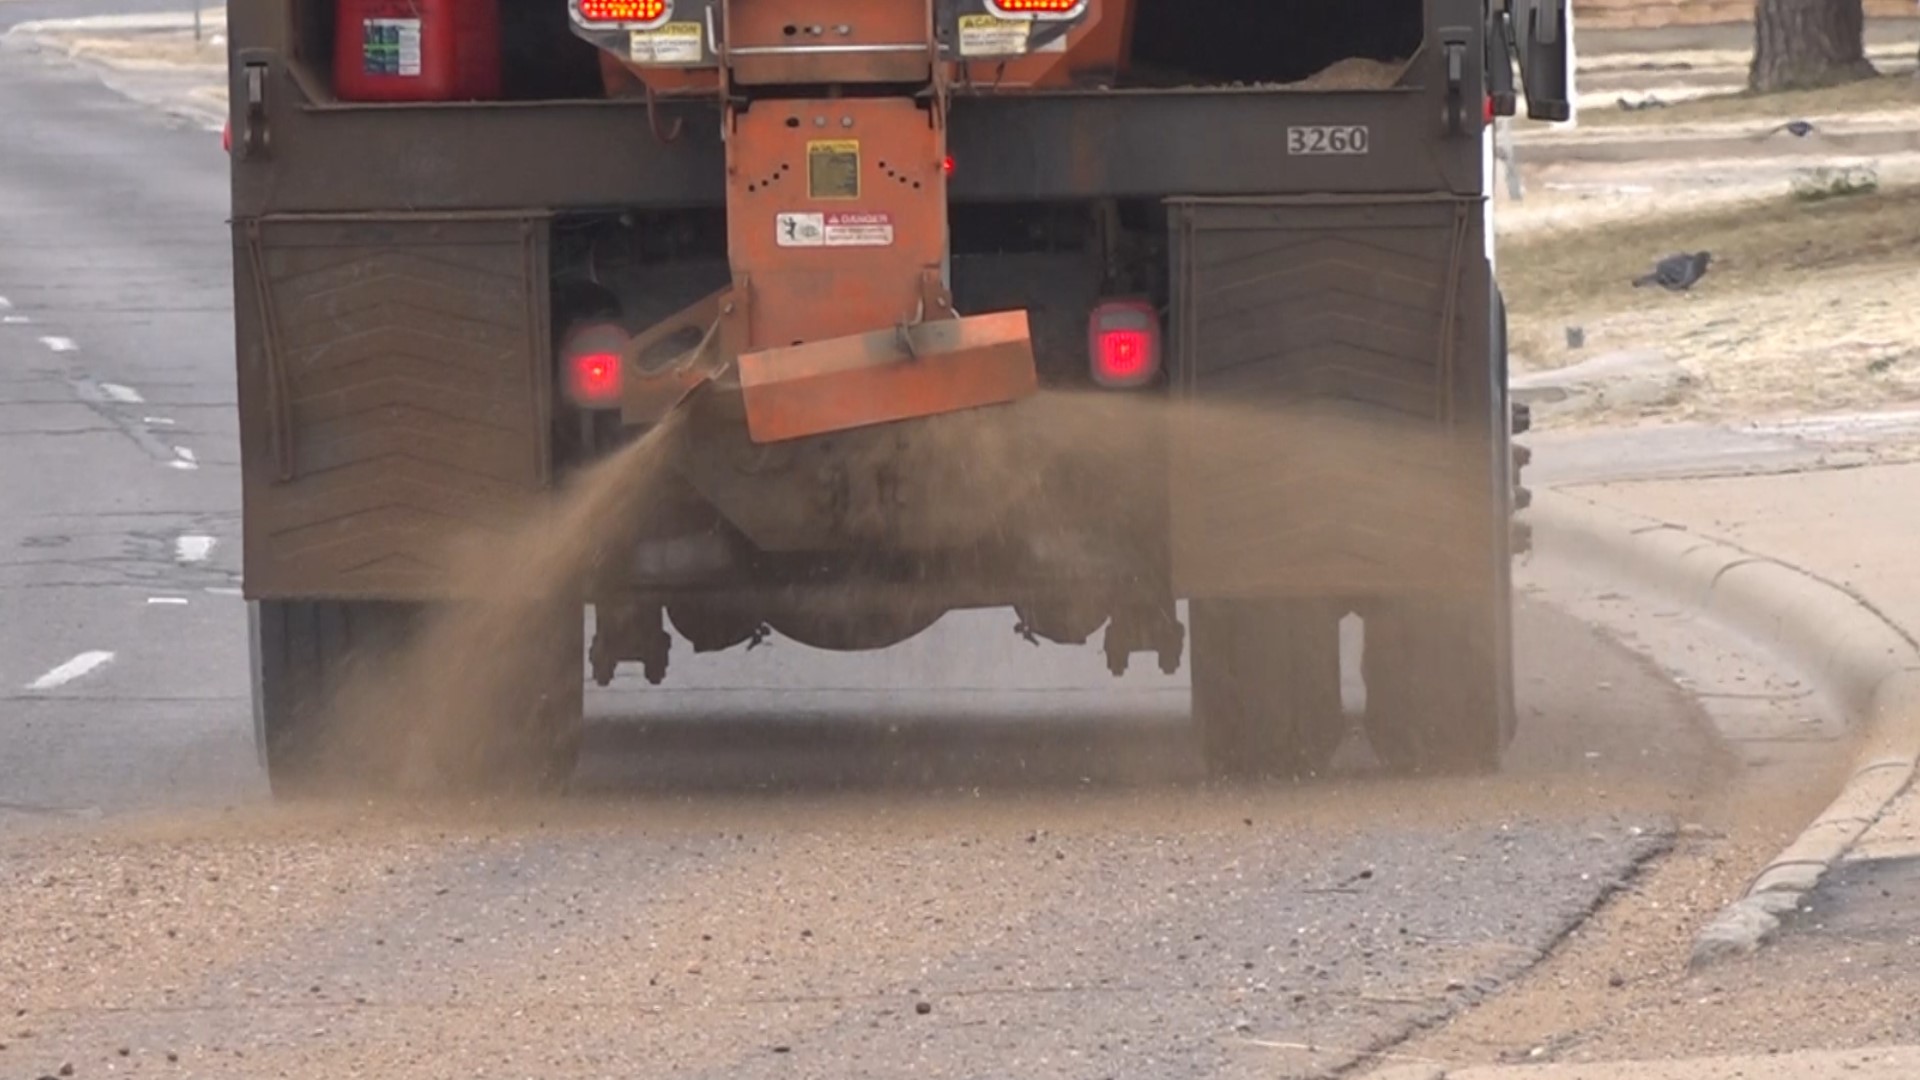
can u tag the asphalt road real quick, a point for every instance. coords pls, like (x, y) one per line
(968, 857)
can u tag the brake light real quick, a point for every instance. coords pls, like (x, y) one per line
(636, 14)
(1039, 9)
(596, 378)
(592, 370)
(1123, 343)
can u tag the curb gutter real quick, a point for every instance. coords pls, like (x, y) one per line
(1835, 638)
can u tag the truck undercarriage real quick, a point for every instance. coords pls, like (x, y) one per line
(1080, 317)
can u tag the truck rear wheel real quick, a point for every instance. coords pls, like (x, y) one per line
(306, 652)
(1439, 685)
(1266, 686)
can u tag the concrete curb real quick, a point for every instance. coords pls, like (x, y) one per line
(214, 17)
(1834, 637)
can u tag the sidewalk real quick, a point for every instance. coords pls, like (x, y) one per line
(1856, 527)
(1835, 992)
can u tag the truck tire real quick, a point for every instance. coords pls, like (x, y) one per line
(1266, 686)
(1439, 685)
(305, 651)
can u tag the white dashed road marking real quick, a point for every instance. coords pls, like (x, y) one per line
(193, 548)
(59, 344)
(184, 458)
(166, 600)
(156, 421)
(126, 395)
(15, 320)
(85, 663)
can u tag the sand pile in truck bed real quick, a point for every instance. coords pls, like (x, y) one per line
(1353, 73)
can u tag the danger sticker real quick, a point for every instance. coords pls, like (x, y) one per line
(858, 230)
(674, 43)
(854, 229)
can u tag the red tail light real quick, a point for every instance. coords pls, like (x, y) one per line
(631, 14)
(226, 137)
(1057, 9)
(590, 359)
(1123, 343)
(596, 378)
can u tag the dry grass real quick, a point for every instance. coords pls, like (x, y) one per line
(1806, 306)
(1893, 91)
(1765, 245)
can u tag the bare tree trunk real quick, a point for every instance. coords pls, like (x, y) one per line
(1799, 44)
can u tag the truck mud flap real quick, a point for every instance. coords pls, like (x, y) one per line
(1339, 421)
(395, 394)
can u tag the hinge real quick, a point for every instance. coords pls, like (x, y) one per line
(255, 137)
(1454, 43)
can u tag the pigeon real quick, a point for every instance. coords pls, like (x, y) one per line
(1799, 129)
(1677, 273)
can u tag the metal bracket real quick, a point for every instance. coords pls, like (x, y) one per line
(1500, 50)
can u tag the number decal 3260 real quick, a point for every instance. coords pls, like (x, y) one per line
(1328, 139)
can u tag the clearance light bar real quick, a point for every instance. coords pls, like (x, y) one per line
(621, 14)
(1036, 9)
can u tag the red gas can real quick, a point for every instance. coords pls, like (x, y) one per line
(416, 50)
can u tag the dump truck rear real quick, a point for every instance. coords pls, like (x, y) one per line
(1166, 324)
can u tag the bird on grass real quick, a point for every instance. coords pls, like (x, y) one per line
(1677, 273)
(1799, 129)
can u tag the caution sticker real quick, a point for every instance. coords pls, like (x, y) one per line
(858, 230)
(985, 35)
(674, 43)
(988, 35)
(833, 169)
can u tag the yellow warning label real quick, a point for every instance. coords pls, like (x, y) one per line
(989, 35)
(985, 35)
(674, 43)
(833, 169)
